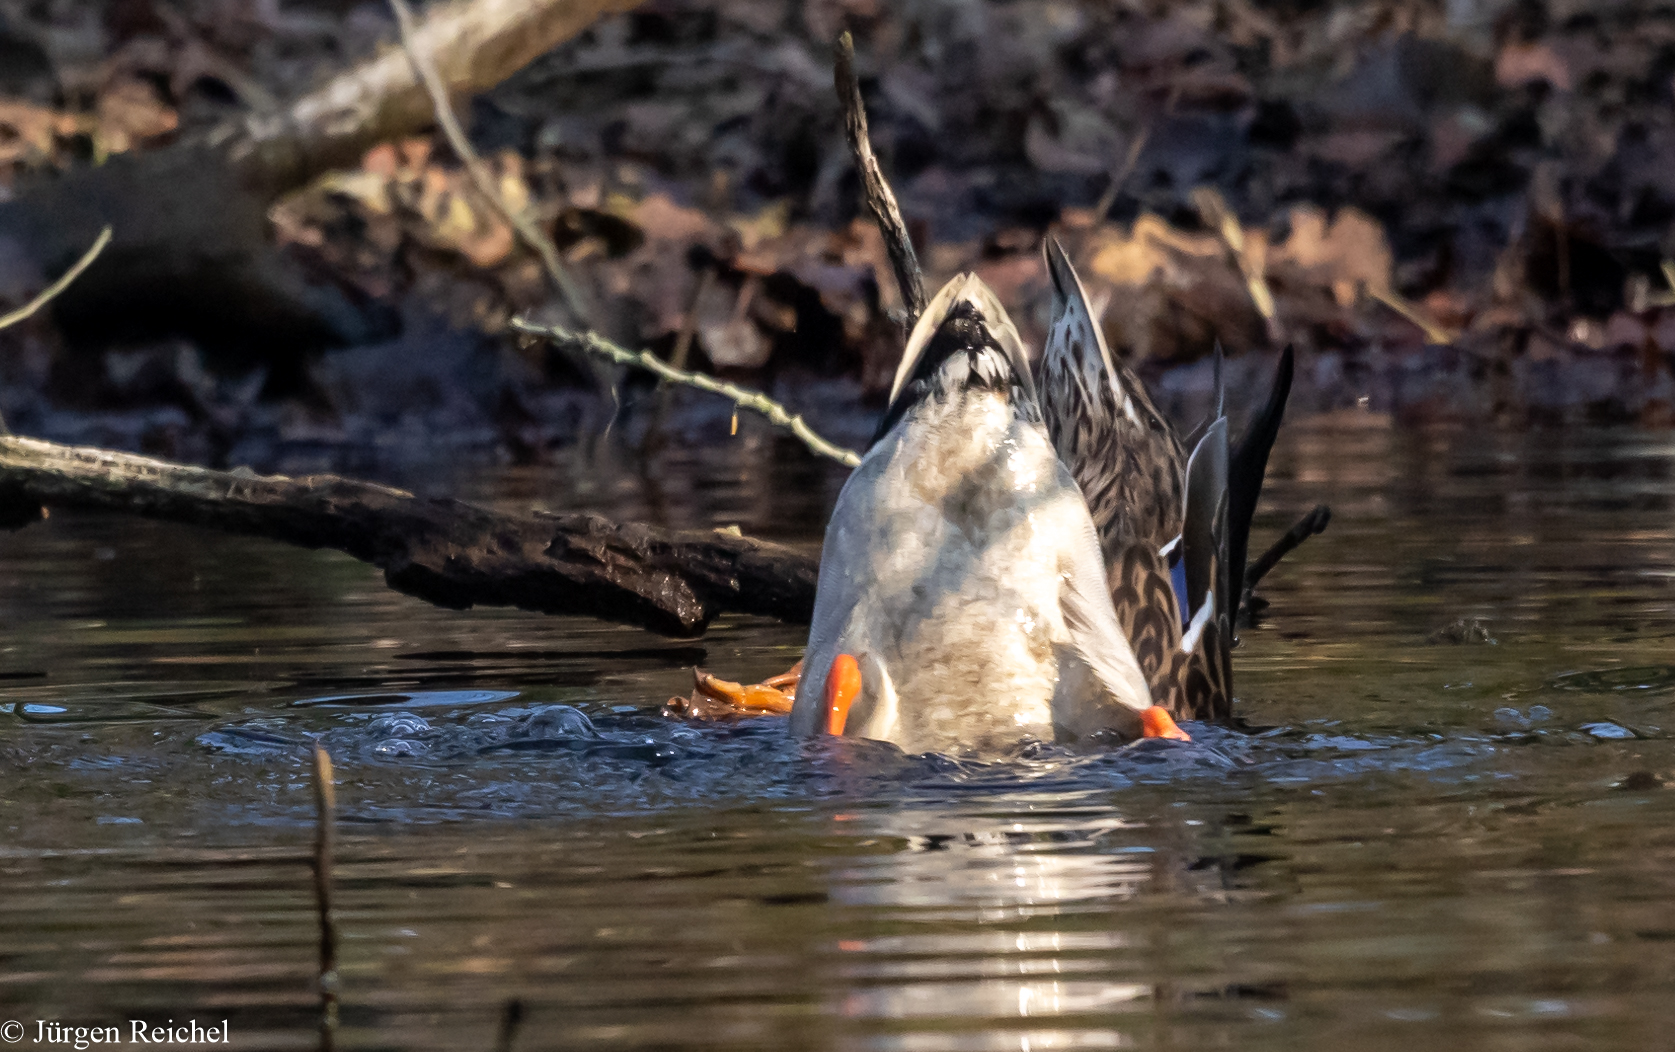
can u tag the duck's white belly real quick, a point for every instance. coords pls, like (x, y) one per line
(944, 563)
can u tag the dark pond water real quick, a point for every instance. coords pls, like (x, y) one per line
(1420, 846)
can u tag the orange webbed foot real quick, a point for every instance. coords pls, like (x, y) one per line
(713, 697)
(1157, 723)
(843, 686)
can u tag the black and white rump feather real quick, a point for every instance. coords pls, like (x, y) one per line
(1204, 678)
(963, 341)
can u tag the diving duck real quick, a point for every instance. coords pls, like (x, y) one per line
(1162, 519)
(963, 599)
(959, 604)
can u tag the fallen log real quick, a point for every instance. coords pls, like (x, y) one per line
(192, 253)
(472, 44)
(447, 552)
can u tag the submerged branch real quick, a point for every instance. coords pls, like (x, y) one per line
(446, 552)
(593, 343)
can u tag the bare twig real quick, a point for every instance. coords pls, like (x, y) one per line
(474, 44)
(325, 808)
(593, 343)
(1213, 209)
(532, 235)
(47, 294)
(1309, 525)
(1119, 177)
(677, 359)
(880, 200)
(1433, 332)
(689, 324)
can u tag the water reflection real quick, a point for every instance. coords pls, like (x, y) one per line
(1020, 972)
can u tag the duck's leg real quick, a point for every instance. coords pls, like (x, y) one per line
(1157, 723)
(714, 697)
(843, 686)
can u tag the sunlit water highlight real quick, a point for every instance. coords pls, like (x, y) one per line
(1410, 845)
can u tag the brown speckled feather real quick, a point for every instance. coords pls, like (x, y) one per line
(1195, 685)
(1147, 611)
(1131, 468)
(1121, 450)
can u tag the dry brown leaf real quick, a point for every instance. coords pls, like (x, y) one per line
(1520, 64)
(131, 113)
(1151, 248)
(663, 220)
(1345, 255)
(382, 160)
(766, 225)
(28, 131)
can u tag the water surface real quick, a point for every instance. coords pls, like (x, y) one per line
(1411, 844)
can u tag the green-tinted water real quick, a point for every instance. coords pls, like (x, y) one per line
(1439, 846)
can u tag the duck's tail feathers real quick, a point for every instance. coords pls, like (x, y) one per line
(1245, 470)
(1218, 396)
(1220, 382)
(1122, 452)
(964, 298)
(1204, 534)
(1074, 334)
(1204, 673)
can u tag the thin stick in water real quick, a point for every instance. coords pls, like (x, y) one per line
(48, 294)
(881, 201)
(756, 401)
(510, 1020)
(1309, 525)
(532, 235)
(325, 808)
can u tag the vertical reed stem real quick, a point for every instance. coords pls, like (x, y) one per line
(325, 807)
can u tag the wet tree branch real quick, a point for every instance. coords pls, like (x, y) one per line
(447, 552)
(881, 201)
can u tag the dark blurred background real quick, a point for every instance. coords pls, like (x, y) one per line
(1459, 212)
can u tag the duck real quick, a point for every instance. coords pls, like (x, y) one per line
(963, 601)
(960, 603)
(1161, 536)
(1173, 528)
